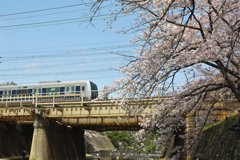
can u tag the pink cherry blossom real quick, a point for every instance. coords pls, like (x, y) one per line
(199, 36)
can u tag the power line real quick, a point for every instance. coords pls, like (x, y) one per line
(74, 45)
(59, 66)
(61, 73)
(51, 13)
(75, 52)
(42, 15)
(56, 21)
(45, 9)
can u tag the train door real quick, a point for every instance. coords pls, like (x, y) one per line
(37, 91)
(69, 90)
(6, 94)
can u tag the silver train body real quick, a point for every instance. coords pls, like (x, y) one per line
(48, 88)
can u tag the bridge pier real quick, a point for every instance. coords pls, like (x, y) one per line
(78, 139)
(53, 142)
(40, 149)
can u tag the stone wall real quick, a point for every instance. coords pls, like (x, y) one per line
(218, 142)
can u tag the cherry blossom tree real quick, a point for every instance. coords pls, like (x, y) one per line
(179, 36)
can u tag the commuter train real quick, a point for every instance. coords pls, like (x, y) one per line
(48, 88)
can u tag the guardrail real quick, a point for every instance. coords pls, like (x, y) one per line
(49, 98)
(53, 98)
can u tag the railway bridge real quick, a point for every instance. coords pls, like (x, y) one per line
(52, 126)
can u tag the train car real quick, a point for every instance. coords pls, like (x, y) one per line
(48, 88)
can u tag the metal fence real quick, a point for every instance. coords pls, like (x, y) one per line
(50, 98)
(61, 97)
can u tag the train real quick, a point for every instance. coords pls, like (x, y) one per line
(48, 88)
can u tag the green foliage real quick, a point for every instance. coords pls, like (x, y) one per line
(226, 156)
(149, 146)
(120, 139)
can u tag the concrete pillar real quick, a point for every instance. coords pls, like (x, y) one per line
(53, 142)
(5, 140)
(78, 135)
(40, 149)
(26, 134)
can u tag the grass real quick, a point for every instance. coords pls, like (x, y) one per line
(230, 117)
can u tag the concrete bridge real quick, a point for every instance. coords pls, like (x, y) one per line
(52, 126)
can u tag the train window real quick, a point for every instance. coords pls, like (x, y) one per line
(83, 88)
(30, 90)
(37, 91)
(62, 90)
(70, 90)
(44, 90)
(78, 89)
(67, 90)
(7, 92)
(13, 91)
(93, 86)
(22, 91)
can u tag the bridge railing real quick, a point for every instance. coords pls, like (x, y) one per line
(50, 98)
(58, 97)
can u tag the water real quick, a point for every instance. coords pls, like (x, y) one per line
(121, 155)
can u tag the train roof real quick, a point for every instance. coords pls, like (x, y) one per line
(46, 84)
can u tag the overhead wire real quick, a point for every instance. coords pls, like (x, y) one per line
(85, 44)
(69, 51)
(46, 9)
(49, 14)
(85, 51)
(31, 25)
(61, 65)
(55, 23)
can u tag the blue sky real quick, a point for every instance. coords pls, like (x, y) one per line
(65, 50)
